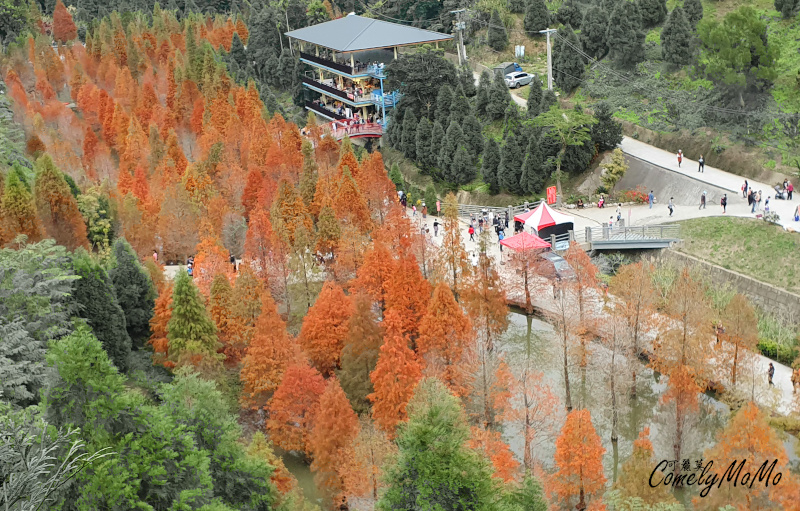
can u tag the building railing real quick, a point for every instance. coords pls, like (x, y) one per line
(327, 63)
(388, 99)
(356, 130)
(333, 91)
(376, 70)
(633, 233)
(316, 107)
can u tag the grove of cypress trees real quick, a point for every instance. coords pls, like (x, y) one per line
(490, 164)
(537, 17)
(568, 67)
(676, 38)
(408, 138)
(593, 32)
(625, 35)
(510, 169)
(423, 142)
(498, 38)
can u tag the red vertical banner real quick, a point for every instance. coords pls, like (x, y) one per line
(438, 206)
(551, 195)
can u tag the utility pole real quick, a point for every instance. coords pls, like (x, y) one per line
(549, 58)
(460, 25)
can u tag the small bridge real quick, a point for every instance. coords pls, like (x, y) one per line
(637, 237)
(367, 130)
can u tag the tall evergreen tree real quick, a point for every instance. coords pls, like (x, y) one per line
(516, 6)
(483, 94)
(693, 9)
(408, 140)
(593, 32)
(462, 170)
(510, 169)
(98, 303)
(473, 135)
(437, 139)
(425, 157)
(57, 207)
(444, 103)
(134, 291)
(238, 54)
(676, 39)
(432, 443)
(452, 140)
(535, 93)
(467, 81)
(625, 35)
(499, 98)
(568, 67)
(787, 8)
(607, 132)
(533, 171)
(459, 108)
(498, 38)
(17, 212)
(548, 99)
(653, 12)
(490, 164)
(569, 14)
(537, 17)
(191, 333)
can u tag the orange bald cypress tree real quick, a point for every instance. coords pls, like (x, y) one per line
(140, 188)
(90, 143)
(17, 212)
(332, 437)
(289, 212)
(158, 326)
(491, 445)
(682, 394)
(579, 461)
(350, 205)
(57, 207)
(258, 242)
(634, 477)
(266, 358)
(407, 294)
(245, 309)
(394, 378)
(376, 187)
(445, 334)
(373, 276)
(293, 406)
(325, 328)
(219, 306)
(64, 28)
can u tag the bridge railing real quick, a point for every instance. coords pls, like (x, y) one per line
(467, 210)
(635, 232)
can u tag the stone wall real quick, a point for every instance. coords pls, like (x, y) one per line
(768, 297)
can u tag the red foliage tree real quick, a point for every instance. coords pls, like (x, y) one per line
(579, 458)
(64, 28)
(293, 406)
(325, 328)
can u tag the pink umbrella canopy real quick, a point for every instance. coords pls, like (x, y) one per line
(524, 241)
(543, 216)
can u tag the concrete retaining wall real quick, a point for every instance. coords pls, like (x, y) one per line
(769, 298)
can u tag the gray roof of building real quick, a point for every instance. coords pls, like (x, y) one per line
(356, 33)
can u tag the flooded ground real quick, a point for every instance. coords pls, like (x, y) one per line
(593, 392)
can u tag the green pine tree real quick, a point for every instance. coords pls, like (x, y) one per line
(593, 32)
(17, 212)
(238, 54)
(533, 171)
(537, 17)
(425, 157)
(134, 290)
(548, 99)
(452, 139)
(498, 38)
(437, 139)
(693, 9)
(490, 164)
(459, 108)
(408, 139)
(607, 132)
(483, 94)
(462, 170)
(676, 39)
(510, 169)
(535, 93)
(433, 468)
(625, 35)
(516, 6)
(499, 98)
(473, 135)
(98, 304)
(444, 103)
(568, 67)
(787, 8)
(653, 12)
(191, 333)
(569, 14)
(360, 353)
(528, 496)
(467, 80)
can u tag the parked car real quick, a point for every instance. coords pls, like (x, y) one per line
(515, 80)
(560, 267)
(507, 68)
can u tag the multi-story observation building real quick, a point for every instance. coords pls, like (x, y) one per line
(347, 56)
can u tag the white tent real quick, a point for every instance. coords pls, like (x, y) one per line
(546, 221)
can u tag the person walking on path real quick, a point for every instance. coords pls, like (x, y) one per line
(766, 206)
(771, 373)
(745, 187)
(671, 206)
(414, 209)
(611, 222)
(471, 232)
(619, 212)
(790, 189)
(724, 203)
(701, 164)
(797, 214)
(680, 157)
(436, 227)
(233, 261)
(500, 237)
(795, 379)
(651, 198)
(155, 256)
(424, 211)
(750, 201)
(758, 200)
(506, 219)
(702, 201)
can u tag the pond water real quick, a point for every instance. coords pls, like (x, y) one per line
(593, 393)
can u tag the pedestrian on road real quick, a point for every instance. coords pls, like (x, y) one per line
(702, 201)
(506, 219)
(724, 203)
(611, 222)
(651, 198)
(766, 206)
(671, 206)
(480, 225)
(771, 373)
(701, 164)
(758, 200)
(751, 200)
(471, 233)
(155, 256)
(474, 258)
(424, 211)
(790, 189)
(745, 187)
(680, 157)
(414, 209)
(619, 212)
(797, 214)
(500, 237)
(232, 260)
(436, 227)
(190, 270)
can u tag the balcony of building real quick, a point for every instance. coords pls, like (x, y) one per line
(356, 94)
(324, 110)
(386, 100)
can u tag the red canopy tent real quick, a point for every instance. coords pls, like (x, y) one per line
(546, 220)
(524, 241)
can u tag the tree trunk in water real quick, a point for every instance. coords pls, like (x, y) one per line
(676, 447)
(568, 399)
(581, 503)
(613, 401)
(487, 415)
(615, 453)
(528, 304)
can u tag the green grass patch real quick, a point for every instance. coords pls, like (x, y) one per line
(754, 248)
(627, 115)
(654, 36)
